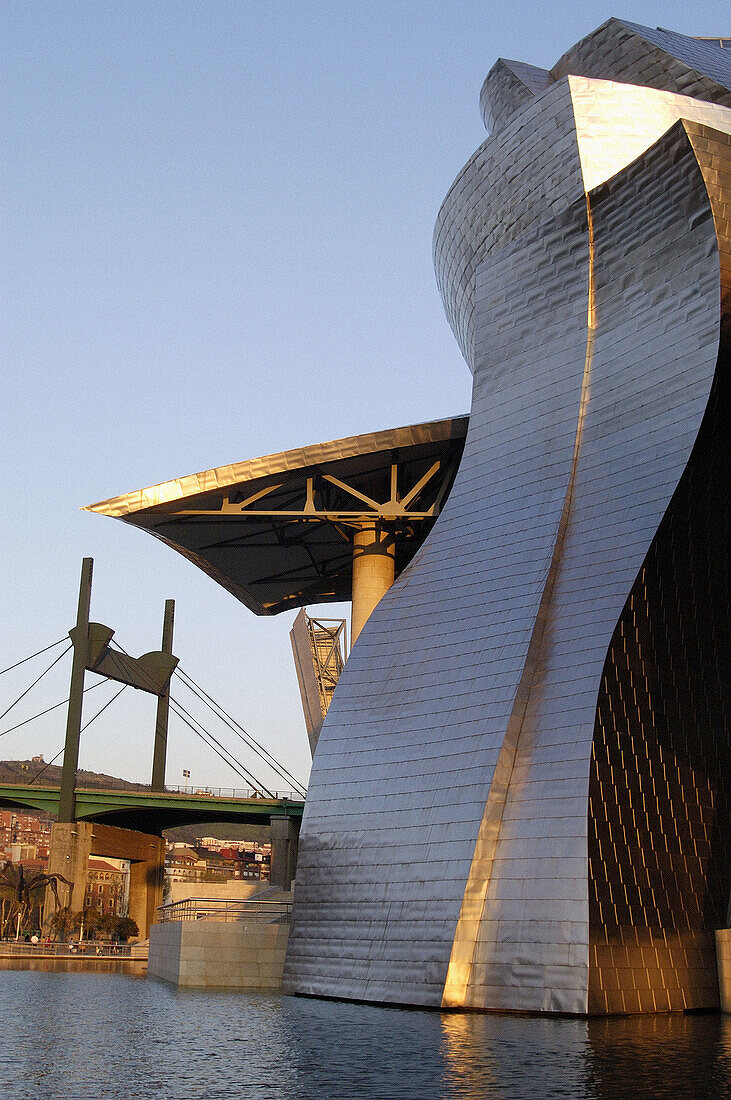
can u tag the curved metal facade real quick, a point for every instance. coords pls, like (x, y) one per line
(659, 820)
(460, 843)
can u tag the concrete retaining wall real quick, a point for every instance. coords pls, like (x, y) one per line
(723, 955)
(207, 954)
(234, 889)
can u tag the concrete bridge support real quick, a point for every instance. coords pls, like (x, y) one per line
(73, 842)
(284, 834)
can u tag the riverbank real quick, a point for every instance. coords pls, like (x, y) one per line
(113, 959)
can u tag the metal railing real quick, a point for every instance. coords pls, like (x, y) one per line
(171, 788)
(233, 792)
(74, 949)
(223, 909)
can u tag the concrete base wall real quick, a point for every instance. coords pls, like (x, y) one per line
(208, 954)
(233, 890)
(723, 956)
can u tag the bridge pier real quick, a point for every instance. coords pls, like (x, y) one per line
(284, 835)
(73, 842)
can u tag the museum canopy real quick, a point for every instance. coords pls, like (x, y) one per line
(278, 532)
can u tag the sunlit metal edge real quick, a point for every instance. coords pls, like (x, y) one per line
(127, 504)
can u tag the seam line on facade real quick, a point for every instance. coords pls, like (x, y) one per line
(474, 900)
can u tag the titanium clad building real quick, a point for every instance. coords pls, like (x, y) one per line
(520, 795)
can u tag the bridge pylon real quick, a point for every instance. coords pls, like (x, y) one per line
(151, 672)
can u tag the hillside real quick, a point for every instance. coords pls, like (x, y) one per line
(23, 771)
(191, 834)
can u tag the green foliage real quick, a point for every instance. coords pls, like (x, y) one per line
(126, 928)
(97, 926)
(107, 926)
(64, 922)
(191, 834)
(92, 923)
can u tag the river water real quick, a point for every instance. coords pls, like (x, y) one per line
(68, 1036)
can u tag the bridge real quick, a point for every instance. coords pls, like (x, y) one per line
(128, 823)
(156, 807)
(153, 811)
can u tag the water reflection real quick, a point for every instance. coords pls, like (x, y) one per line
(73, 1036)
(641, 1057)
(515, 1056)
(661, 1056)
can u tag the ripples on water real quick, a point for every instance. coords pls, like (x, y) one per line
(74, 1036)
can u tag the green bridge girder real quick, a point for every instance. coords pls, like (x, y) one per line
(152, 811)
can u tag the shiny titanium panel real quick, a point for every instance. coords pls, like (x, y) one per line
(503, 722)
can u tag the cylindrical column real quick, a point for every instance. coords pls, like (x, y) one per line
(374, 570)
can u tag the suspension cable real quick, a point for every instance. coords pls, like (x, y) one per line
(237, 728)
(52, 761)
(236, 766)
(85, 726)
(151, 685)
(36, 681)
(209, 745)
(49, 709)
(203, 732)
(242, 734)
(19, 663)
(101, 711)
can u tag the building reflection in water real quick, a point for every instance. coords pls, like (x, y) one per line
(515, 1056)
(665, 1055)
(629, 1057)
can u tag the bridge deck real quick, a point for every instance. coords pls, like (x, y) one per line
(152, 811)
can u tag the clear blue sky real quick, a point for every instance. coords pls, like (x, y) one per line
(217, 244)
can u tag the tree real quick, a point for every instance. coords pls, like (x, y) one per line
(126, 928)
(92, 922)
(107, 925)
(64, 922)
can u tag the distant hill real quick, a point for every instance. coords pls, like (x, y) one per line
(191, 834)
(23, 771)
